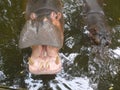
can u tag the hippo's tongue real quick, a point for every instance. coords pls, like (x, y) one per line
(37, 33)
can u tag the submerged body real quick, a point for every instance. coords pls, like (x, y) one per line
(43, 32)
(96, 23)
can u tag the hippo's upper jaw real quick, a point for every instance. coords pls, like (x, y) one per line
(44, 24)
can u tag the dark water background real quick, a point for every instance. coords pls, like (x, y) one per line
(85, 66)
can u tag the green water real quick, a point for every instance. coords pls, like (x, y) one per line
(11, 57)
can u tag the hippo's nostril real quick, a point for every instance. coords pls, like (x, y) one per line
(45, 19)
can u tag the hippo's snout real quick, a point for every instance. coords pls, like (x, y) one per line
(99, 36)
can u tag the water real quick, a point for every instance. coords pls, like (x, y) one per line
(85, 66)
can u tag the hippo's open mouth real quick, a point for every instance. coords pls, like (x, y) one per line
(45, 37)
(44, 60)
(43, 32)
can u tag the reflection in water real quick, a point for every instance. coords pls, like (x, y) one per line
(85, 66)
(103, 68)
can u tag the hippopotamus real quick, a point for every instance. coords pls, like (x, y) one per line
(96, 23)
(43, 32)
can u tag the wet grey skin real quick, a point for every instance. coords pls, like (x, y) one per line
(38, 31)
(96, 23)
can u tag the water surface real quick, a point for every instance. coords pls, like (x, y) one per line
(85, 66)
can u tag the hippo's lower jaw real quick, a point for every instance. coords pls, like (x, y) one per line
(48, 66)
(44, 60)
